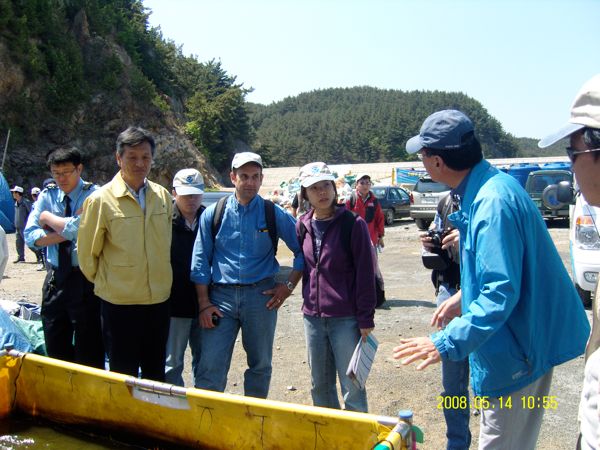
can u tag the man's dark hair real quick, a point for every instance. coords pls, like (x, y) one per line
(591, 138)
(133, 136)
(462, 158)
(63, 155)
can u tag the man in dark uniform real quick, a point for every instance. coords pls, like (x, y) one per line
(70, 310)
(22, 210)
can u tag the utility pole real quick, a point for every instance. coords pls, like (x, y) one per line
(5, 148)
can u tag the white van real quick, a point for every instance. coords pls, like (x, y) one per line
(584, 244)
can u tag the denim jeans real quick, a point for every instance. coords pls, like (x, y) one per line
(243, 308)
(181, 331)
(455, 380)
(331, 342)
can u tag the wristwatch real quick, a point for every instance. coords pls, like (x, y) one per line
(290, 285)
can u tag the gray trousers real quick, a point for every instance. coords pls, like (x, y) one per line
(518, 427)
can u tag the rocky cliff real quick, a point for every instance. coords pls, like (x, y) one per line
(93, 123)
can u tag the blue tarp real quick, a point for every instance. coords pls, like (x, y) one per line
(7, 207)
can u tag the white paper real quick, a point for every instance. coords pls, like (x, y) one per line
(362, 360)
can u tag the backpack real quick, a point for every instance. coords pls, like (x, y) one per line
(369, 212)
(348, 220)
(269, 219)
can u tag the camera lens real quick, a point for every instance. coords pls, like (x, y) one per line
(215, 319)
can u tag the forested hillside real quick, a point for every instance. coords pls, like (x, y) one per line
(362, 124)
(78, 72)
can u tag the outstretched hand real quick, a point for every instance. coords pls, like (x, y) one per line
(414, 349)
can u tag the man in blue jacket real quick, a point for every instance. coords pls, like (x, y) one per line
(518, 314)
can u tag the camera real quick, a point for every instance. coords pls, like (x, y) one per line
(435, 257)
(436, 237)
(215, 319)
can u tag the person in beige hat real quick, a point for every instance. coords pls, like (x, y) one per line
(583, 132)
(188, 190)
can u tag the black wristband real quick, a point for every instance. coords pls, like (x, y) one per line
(205, 308)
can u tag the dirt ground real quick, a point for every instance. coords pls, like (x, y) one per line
(391, 387)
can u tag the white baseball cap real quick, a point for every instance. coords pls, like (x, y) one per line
(35, 190)
(585, 112)
(313, 173)
(188, 182)
(239, 159)
(18, 189)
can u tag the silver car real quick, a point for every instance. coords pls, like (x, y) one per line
(424, 199)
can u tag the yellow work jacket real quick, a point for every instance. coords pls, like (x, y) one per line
(124, 252)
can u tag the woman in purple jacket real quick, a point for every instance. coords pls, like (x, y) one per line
(338, 288)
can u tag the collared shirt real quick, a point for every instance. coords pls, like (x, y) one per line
(53, 200)
(241, 252)
(139, 196)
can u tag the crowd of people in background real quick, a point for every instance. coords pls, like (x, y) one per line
(135, 274)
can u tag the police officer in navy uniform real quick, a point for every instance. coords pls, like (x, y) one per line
(70, 310)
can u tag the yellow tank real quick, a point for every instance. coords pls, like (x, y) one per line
(73, 394)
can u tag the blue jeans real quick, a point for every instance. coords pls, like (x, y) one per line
(181, 331)
(455, 380)
(245, 308)
(330, 342)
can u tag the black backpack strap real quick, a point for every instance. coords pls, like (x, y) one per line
(353, 200)
(348, 220)
(218, 216)
(301, 233)
(271, 224)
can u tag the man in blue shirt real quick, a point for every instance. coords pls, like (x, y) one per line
(234, 276)
(70, 310)
(517, 314)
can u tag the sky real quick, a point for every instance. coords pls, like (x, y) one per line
(523, 60)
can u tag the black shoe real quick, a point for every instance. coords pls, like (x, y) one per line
(18, 261)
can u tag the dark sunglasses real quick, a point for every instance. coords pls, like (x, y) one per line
(572, 153)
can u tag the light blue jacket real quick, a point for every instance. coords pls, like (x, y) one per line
(521, 313)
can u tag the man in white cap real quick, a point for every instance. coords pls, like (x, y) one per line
(22, 210)
(583, 132)
(234, 266)
(188, 189)
(517, 314)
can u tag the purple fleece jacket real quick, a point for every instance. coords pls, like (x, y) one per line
(337, 285)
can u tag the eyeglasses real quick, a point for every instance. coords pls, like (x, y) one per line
(422, 154)
(572, 153)
(63, 174)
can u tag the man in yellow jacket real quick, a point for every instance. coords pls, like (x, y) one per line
(124, 249)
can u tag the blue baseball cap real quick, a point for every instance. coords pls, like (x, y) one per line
(443, 130)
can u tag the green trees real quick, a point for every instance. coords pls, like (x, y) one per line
(77, 54)
(361, 124)
(217, 112)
